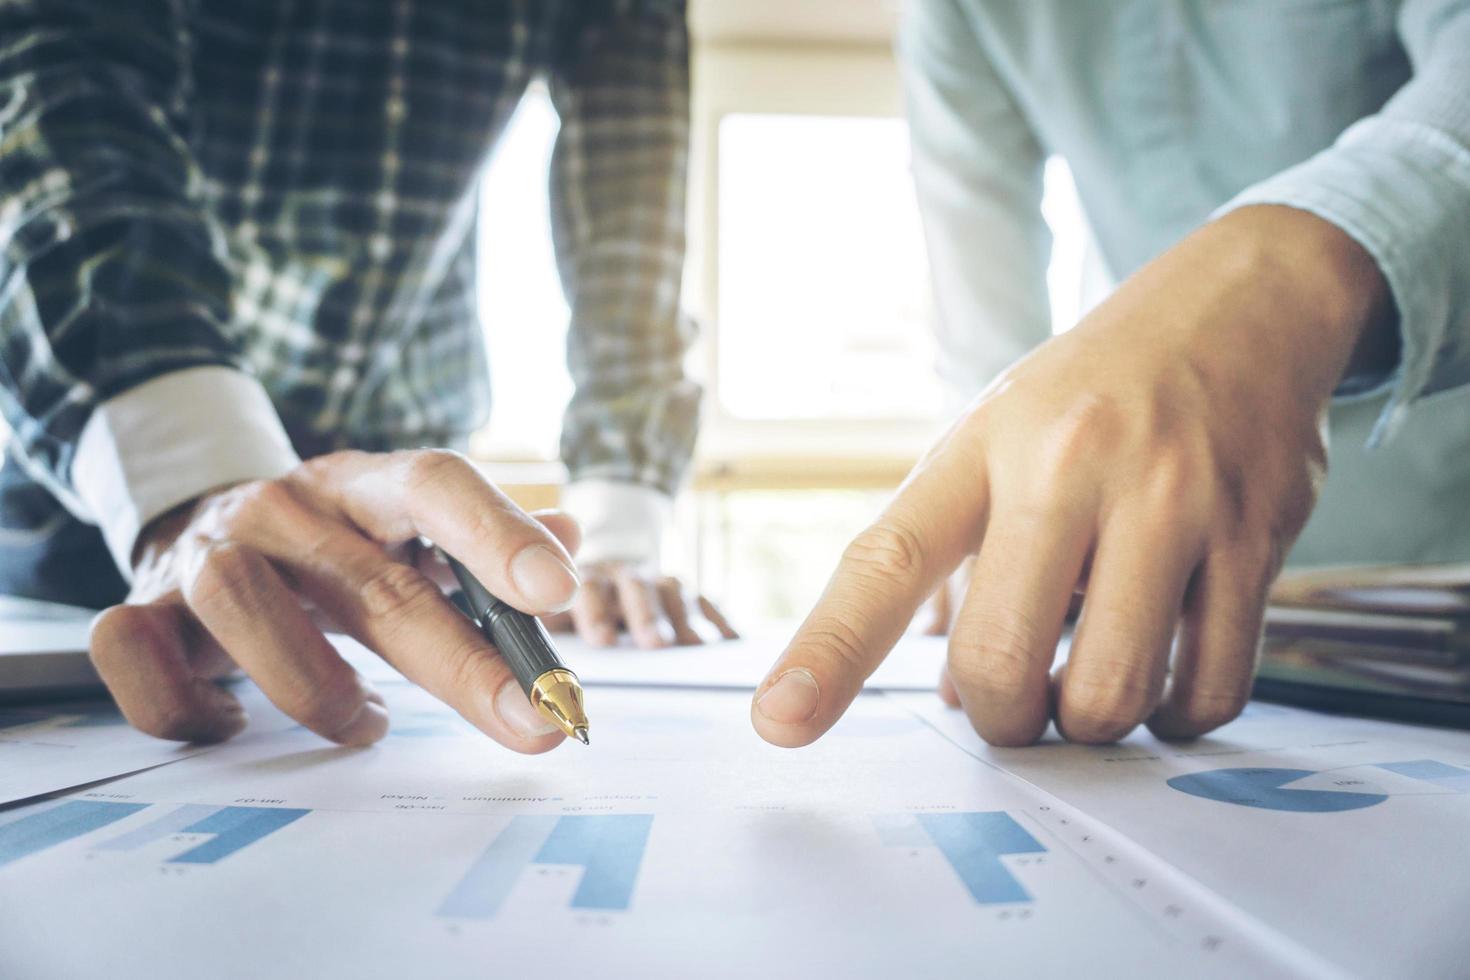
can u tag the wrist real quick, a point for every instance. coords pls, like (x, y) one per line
(1312, 285)
(169, 440)
(622, 522)
(162, 531)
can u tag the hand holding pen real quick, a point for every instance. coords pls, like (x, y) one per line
(251, 575)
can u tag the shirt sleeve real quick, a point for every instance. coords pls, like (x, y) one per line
(110, 269)
(619, 170)
(1398, 182)
(978, 170)
(621, 522)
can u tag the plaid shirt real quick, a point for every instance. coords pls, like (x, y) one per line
(287, 188)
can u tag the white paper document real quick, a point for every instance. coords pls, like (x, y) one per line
(677, 844)
(57, 746)
(1351, 836)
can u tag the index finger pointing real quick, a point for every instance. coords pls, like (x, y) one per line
(883, 577)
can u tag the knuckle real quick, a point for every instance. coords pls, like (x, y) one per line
(992, 655)
(326, 708)
(221, 567)
(322, 469)
(1173, 478)
(473, 667)
(990, 673)
(397, 591)
(1104, 708)
(1093, 426)
(242, 507)
(887, 549)
(426, 467)
(266, 498)
(1180, 489)
(840, 643)
(1204, 710)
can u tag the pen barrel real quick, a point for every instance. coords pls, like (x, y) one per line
(520, 637)
(522, 641)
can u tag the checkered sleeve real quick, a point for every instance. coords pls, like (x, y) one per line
(621, 86)
(110, 272)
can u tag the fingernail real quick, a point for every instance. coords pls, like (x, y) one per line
(792, 699)
(515, 709)
(544, 579)
(367, 726)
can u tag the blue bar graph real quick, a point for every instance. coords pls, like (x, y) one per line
(234, 827)
(59, 824)
(170, 823)
(974, 843)
(1429, 771)
(608, 847)
(485, 886)
(610, 850)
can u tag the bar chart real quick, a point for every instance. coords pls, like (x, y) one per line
(1439, 774)
(607, 847)
(229, 828)
(973, 844)
(48, 827)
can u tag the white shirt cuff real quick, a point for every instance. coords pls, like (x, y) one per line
(621, 522)
(169, 440)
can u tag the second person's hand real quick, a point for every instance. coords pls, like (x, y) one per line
(1163, 455)
(655, 610)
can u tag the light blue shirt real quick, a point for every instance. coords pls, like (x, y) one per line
(1170, 112)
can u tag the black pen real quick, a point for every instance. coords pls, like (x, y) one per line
(527, 648)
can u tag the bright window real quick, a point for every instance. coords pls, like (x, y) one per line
(522, 307)
(823, 287)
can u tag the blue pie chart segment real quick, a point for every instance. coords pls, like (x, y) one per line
(1267, 789)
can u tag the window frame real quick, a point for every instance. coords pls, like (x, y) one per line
(732, 78)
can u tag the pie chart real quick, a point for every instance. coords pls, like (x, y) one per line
(1270, 789)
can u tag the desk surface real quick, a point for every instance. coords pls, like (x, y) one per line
(1289, 844)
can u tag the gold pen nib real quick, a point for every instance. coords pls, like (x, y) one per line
(558, 696)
